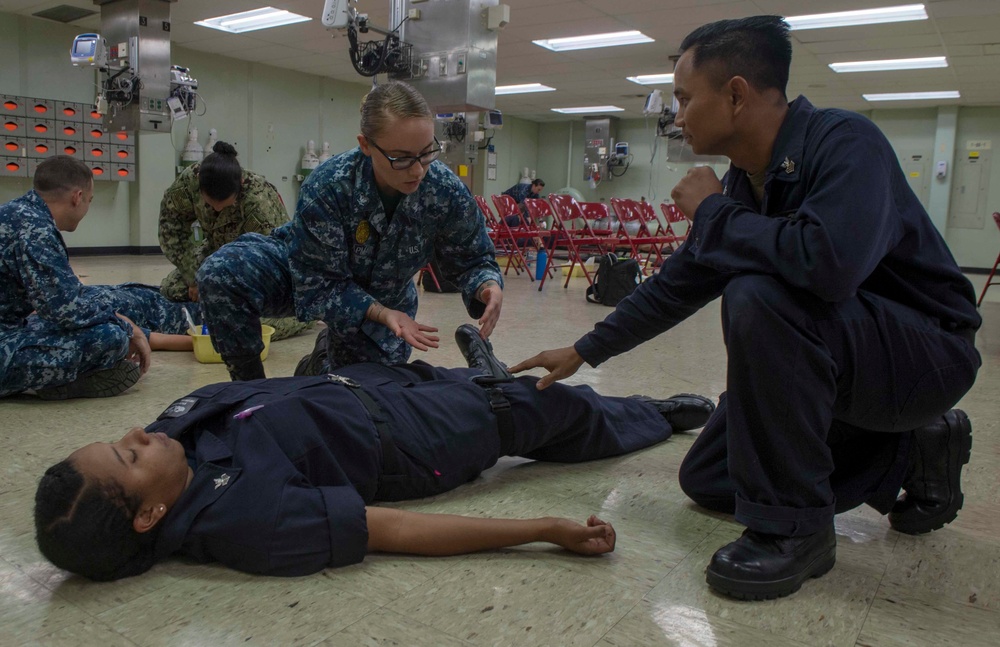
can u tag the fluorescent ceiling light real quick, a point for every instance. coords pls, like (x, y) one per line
(595, 40)
(523, 88)
(912, 96)
(891, 64)
(901, 13)
(651, 79)
(588, 110)
(263, 18)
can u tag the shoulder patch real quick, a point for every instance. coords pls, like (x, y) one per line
(179, 408)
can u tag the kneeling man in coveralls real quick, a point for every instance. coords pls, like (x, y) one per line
(848, 325)
(276, 476)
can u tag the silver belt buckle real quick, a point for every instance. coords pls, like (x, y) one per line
(340, 379)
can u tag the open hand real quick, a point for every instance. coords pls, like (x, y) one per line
(413, 333)
(492, 296)
(560, 363)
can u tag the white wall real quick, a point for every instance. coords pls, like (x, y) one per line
(269, 114)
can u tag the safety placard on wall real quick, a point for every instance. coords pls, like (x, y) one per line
(491, 165)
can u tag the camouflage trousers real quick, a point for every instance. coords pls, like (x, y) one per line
(174, 288)
(41, 355)
(249, 278)
(146, 307)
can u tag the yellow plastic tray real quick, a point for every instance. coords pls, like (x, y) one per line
(205, 354)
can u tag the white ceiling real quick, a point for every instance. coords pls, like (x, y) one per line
(966, 31)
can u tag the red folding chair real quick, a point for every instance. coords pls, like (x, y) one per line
(503, 239)
(633, 228)
(675, 219)
(427, 269)
(989, 279)
(542, 219)
(598, 217)
(526, 230)
(574, 233)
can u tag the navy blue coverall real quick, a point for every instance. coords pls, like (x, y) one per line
(844, 316)
(283, 468)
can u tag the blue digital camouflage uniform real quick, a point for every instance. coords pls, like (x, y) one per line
(258, 208)
(72, 331)
(519, 192)
(147, 307)
(340, 254)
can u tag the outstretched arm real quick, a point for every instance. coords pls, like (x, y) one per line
(417, 533)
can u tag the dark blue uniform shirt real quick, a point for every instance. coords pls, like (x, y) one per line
(265, 499)
(838, 217)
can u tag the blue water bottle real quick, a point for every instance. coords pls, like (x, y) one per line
(540, 263)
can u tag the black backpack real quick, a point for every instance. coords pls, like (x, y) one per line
(442, 285)
(616, 279)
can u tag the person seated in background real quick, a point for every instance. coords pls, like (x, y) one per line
(277, 476)
(58, 339)
(212, 203)
(520, 192)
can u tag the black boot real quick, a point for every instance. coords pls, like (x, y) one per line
(315, 362)
(683, 411)
(478, 352)
(96, 384)
(245, 368)
(762, 567)
(933, 482)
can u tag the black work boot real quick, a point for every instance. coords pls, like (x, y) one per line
(683, 411)
(96, 384)
(758, 566)
(933, 482)
(245, 367)
(315, 362)
(478, 352)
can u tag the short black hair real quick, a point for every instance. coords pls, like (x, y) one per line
(86, 527)
(538, 183)
(61, 173)
(220, 175)
(757, 48)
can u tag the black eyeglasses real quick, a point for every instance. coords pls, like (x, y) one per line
(404, 162)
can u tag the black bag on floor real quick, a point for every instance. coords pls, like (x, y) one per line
(427, 280)
(616, 279)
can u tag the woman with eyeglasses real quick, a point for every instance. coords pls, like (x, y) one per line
(367, 220)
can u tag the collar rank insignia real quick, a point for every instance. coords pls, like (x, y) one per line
(363, 232)
(222, 481)
(788, 165)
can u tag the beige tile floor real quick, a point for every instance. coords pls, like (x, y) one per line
(887, 589)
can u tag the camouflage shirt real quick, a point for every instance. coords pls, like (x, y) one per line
(35, 275)
(258, 208)
(345, 253)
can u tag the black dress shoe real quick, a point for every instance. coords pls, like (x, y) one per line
(478, 352)
(763, 567)
(933, 482)
(683, 411)
(315, 362)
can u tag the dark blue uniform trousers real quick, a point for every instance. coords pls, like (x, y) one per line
(446, 433)
(820, 406)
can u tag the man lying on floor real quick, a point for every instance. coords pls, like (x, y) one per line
(276, 476)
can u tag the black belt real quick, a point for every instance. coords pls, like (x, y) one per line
(390, 460)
